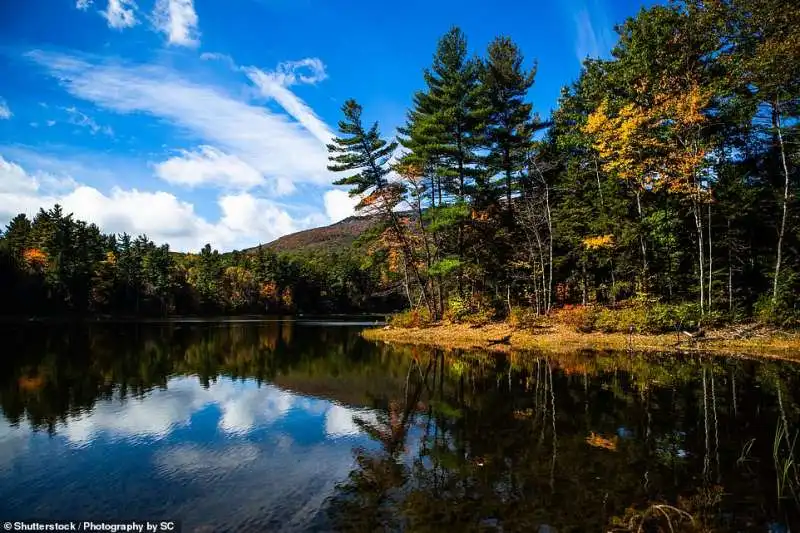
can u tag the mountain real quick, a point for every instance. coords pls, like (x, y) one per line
(328, 238)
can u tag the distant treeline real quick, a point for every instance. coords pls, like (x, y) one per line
(57, 265)
(667, 173)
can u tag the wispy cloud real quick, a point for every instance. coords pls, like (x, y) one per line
(120, 14)
(5, 112)
(595, 36)
(177, 19)
(85, 121)
(285, 152)
(275, 85)
(83, 4)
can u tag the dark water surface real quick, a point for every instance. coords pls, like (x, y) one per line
(285, 426)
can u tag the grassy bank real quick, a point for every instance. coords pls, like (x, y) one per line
(742, 340)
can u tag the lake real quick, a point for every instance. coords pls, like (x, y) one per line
(293, 426)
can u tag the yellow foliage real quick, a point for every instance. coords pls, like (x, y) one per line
(111, 259)
(287, 298)
(658, 145)
(598, 242)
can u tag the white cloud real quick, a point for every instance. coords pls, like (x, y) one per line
(594, 36)
(14, 179)
(243, 408)
(83, 4)
(290, 73)
(245, 219)
(275, 85)
(193, 460)
(339, 204)
(285, 152)
(340, 421)
(5, 112)
(207, 165)
(80, 119)
(177, 19)
(51, 123)
(121, 14)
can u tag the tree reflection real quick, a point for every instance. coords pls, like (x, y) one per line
(557, 442)
(471, 441)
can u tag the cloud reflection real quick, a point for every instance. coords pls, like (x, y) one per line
(243, 406)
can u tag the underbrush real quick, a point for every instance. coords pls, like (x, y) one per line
(463, 311)
(644, 317)
(640, 316)
(413, 318)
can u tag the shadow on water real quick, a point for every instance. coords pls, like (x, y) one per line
(435, 441)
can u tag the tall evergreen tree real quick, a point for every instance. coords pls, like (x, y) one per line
(509, 124)
(363, 151)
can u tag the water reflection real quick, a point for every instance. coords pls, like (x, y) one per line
(293, 427)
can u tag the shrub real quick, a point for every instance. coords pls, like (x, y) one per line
(579, 317)
(479, 318)
(457, 309)
(780, 313)
(523, 317)
(662, 318)
(413, 318)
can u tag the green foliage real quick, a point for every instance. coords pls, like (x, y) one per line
(782, 313)
(458, 309)
(444, 267)
(362, 151)
(57, 265)
(413, 318)
(523, 317)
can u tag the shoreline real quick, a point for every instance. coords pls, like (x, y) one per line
(559, 338)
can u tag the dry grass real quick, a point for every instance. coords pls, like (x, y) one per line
(561, 338)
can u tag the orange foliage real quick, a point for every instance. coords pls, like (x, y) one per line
(268, 291)
(578, 317)
(287, 298)
(31, 384)
(35, 257)
(598, 441)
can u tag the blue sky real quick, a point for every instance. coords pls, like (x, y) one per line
(197, 121)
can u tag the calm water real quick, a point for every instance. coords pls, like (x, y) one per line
(306, 427)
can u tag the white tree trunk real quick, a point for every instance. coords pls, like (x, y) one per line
(777, 124)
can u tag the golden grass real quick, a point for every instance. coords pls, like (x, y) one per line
(560, 338)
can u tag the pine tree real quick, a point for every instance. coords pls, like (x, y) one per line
(456, 103)
(366, 153)
(509, 128)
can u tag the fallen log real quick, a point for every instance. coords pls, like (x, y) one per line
(504, 340)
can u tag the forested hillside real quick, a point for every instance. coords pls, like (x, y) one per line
(666, 178)
(56, 265)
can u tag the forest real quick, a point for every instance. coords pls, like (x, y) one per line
(55, 265)
(666, 176)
